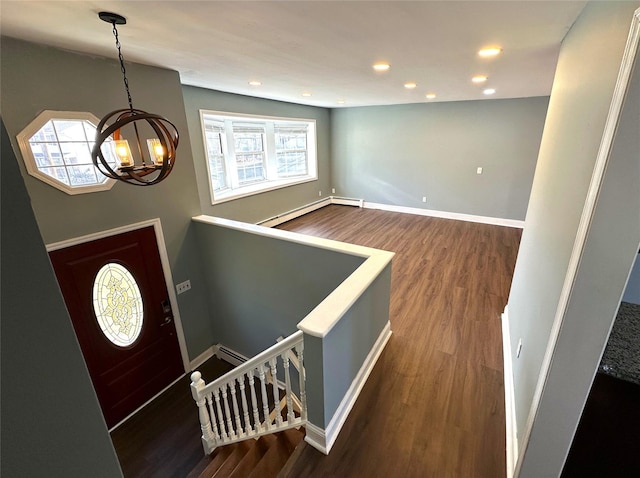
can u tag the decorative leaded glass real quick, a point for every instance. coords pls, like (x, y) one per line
(118, 304)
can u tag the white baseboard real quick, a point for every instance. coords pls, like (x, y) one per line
(315, 436)
(323, 439)
(509, 398)
(301, 211)
(494, 221)
(202, 358)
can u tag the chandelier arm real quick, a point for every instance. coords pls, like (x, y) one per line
(168, 138)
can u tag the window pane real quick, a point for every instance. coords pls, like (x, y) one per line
(57, 173)
(249, 157)
(89, 131)
(46, 133)
(76, 153)
(46, 154)
(83, 175)
(213, 139)
(291, 151)
(292, 163)
(69, 130)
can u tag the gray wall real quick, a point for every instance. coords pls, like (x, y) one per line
(585, 77)
(261, 287)
(398, 154)
(632, 292)
(262, 206)
(51, 421)
(333, 362)
(606, 261)
(36, 78)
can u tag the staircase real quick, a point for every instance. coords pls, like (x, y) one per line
(251, 417)
(265, 457)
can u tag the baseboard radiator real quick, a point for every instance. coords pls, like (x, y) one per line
(254, 399)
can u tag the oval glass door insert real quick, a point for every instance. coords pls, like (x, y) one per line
(118, 304)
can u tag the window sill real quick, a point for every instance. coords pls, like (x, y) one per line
(258, 188)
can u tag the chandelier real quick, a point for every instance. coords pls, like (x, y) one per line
(140, 170)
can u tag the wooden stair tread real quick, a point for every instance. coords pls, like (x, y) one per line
(210, 463)
(239, 450)
(277, 455)
(253, 456)
(286, 470)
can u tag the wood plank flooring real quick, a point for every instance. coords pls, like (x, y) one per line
(434, 404)
(163, 439)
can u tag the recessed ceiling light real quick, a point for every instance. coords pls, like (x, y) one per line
(306, 93)
(381, 66)
(479, 79)
(341, 102)
(410, 85)
(489, 91)
(488, 52)
(255, 83)
(430, 96)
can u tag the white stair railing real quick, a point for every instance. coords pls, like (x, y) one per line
(225, 420)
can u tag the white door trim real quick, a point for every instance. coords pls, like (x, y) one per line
(166, 269)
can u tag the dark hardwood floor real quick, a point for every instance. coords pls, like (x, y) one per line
(434, 404)
(163, 439)
(606, 442)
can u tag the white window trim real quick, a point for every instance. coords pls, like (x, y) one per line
(262, 186)
(30, 162)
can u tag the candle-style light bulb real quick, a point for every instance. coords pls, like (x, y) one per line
(156, 150)
(123, 153)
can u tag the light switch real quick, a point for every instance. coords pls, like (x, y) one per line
(479, 170)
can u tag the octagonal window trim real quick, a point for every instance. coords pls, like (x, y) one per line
(63, 156)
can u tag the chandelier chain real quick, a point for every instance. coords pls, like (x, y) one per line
(122, 68)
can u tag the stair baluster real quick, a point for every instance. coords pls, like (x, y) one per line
(254, 402)
(287, 384)
(223, 431)
(265, 401)
(227, 411)
(245, 409)
(214, 422)
(276, 394)
(303, 396)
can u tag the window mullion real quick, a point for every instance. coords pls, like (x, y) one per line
(271, 160)
(230, 158)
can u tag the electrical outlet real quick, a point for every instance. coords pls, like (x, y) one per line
(479, 170)
(333, 190)
(424, 198)
(519, 349)
(320, 194)
(183, 286)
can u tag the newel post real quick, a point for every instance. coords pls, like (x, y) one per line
(197, 386)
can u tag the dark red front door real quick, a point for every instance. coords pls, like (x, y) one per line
(116, 294)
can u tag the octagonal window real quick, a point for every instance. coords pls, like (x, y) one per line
(56, 149)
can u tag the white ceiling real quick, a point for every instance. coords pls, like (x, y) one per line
(325, 47)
